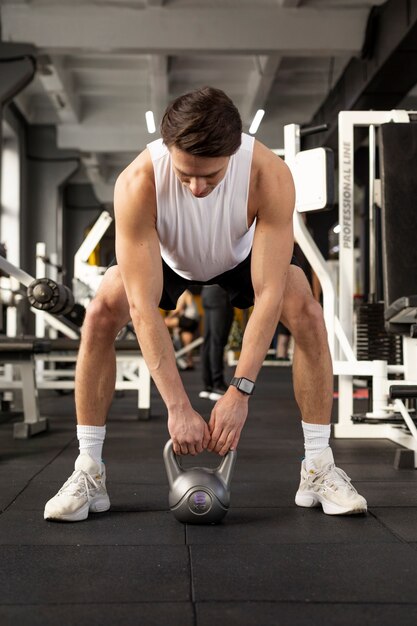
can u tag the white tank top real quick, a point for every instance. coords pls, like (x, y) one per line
(201, 238)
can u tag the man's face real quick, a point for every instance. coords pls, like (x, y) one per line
(200, 174)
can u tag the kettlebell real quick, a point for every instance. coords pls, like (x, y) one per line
(198, 495)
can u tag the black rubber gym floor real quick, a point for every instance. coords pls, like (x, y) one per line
(269, 563)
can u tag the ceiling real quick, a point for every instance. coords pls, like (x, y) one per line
(103, 63)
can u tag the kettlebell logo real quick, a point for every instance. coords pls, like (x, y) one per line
(200, 502)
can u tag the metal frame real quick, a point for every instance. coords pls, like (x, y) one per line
(338, 306)
(132, 371)
(88, 277)
(23, 277)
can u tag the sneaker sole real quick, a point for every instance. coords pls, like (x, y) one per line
(96, 506)
(215, 396)
(310, 501)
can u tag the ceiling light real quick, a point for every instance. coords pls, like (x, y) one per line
(150, 122)
(256, 121)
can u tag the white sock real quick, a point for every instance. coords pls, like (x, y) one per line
(316, 439)
(91, 439)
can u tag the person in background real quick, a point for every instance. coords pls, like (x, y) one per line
(281, 343)
(183, 321)
(218, 318)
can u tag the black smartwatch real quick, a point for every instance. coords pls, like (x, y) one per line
(244, 385)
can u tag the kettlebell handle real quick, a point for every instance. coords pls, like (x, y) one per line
(172, 466)
(226, 467)
(174, 469)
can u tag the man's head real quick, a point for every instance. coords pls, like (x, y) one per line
(201, 129)
(204, 122)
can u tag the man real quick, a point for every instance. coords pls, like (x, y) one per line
(205, 204)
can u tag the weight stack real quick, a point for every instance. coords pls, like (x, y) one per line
(372, 340)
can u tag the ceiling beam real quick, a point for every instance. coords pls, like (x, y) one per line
(58, 85)
(105, 137)
(259, 85)
(155, 30)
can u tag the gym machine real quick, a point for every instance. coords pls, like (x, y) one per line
(87, 277)
(393, 384)
(52, 301)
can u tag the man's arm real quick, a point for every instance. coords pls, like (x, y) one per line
(139, 260)
(271, 254)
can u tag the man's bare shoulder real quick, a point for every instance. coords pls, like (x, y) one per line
(267, 166)
(272, 186)
(137, 179)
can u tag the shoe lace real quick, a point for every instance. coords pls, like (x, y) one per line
(334, 478)
(79, 484)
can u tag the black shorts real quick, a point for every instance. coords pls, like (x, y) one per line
(237, 282)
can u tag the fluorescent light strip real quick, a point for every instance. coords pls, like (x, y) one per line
(256, 121)
(150, 122)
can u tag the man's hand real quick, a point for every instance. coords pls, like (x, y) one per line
(227, 420)
(189, 432)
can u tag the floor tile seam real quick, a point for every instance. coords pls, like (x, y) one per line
(102, 545)
(413, 545)
(100, 604)
(192, 589)
(309, 602)
(325, 541)
(161, 510)
(37, 474)
(203, 601)
(292, 505)
(111, 511)
(191, 543)
(390, 530)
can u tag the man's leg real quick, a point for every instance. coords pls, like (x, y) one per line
(95, 373)
(186, 338)
(321, 481)
(312, 365)
(85, 490)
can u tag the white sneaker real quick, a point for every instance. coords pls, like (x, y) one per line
(329, 486)
(84, 491)
(217, 392)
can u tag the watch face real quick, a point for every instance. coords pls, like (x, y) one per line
(246, 385)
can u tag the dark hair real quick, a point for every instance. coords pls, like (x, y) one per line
(204, 122)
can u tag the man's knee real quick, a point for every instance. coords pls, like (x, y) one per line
(101, 319)
(307, 323)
